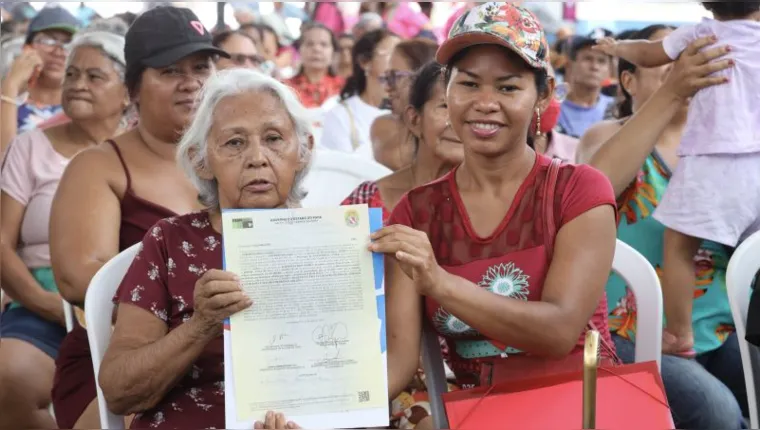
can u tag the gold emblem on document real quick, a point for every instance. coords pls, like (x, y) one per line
(352, 218)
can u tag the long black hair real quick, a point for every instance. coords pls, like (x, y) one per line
(422, 88)
(363, 51)
(625, 108)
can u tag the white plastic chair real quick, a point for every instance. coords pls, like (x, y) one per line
(334, 175)
(742, 268)
(640, 277)
(68, 313)
(98, 310)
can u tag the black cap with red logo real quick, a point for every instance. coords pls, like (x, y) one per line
(164, 35)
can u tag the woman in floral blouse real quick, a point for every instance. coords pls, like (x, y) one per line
(316, 82)
(248, 147)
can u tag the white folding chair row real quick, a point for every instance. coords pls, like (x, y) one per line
(641, 279)
(98, 309)
(742, 269)
(334, 175)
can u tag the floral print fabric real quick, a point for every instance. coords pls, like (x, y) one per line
(516, 26)
(711, 315)
(175, 253)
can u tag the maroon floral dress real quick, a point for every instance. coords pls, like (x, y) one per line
(161, 280)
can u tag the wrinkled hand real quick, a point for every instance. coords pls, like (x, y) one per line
(607, 45)
(22, 69)
(218, 295)
(412, 249)
(694, 69)
(275, 421)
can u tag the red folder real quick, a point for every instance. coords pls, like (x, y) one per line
(628, 397)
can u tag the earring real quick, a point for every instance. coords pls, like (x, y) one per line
(539, 133)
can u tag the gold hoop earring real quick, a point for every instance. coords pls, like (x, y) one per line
(539, 133)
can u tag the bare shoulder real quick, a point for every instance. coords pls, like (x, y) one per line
(98, 163)
(595, 137)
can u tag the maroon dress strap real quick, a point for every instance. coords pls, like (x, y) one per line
(123, 164)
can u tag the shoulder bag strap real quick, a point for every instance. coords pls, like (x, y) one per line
(354, 131)
(550, 232)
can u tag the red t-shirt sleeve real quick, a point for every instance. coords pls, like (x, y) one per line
(586, 189)
(145, 284)
(402, 213)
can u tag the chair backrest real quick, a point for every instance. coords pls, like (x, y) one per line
(334, 175)
(640, 277)
(642, 280)
(742, 268)
(98, 308)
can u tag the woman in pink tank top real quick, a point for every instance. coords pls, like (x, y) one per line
(33, 325)
(112, 194)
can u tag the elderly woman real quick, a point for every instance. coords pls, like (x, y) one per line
(95, 98)
(510, 251)
(248, 147)
(108, 197)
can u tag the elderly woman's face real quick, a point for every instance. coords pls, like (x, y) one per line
(253, 151)
(93, 88)
(492, 97)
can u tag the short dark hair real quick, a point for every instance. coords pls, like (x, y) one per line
(625, 108)
(418, 51)
(578, 44)
(732, 9)
(223, 36)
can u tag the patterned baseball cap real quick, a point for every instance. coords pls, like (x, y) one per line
(498, 23)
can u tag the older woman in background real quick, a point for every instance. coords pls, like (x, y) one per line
(108, 196)
(95, 98)
(392, 141)
(437, 150)
(241, 48)
(249, 147)
(509, 252)
(347, 126)
(316, 81)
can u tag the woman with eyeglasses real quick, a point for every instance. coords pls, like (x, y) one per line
(38, 71)
(347, 126)
(316, 81)
(392, 143)
(242, 49)
(33, 326)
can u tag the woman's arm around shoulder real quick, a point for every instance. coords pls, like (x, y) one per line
(84, 221)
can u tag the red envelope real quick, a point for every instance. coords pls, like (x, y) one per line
(628, 397)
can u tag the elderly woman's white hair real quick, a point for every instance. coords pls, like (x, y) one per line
(193, 149)
(110, 44)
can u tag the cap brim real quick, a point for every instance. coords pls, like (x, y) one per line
(456, 44)
(57, 27)
(173, 55)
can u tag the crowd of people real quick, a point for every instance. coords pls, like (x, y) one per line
(501, 213)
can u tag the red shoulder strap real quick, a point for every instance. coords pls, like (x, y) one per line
(550, 190)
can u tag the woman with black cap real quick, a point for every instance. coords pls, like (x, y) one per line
(112, 194)
(510, 251)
